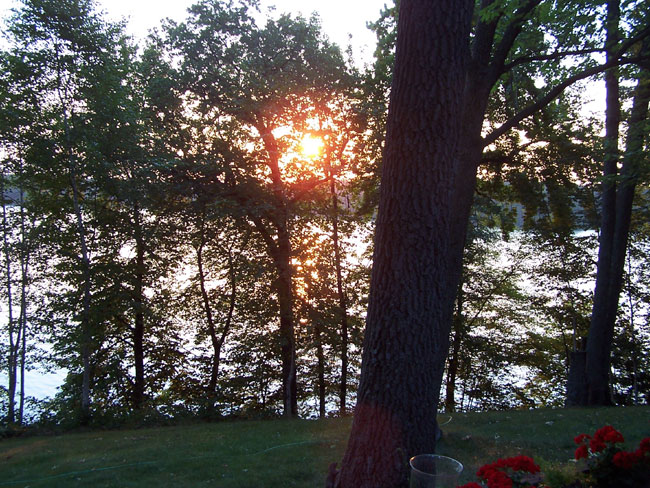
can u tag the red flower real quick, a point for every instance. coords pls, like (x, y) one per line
(495, 474)
(581, 452)
(596, 445)
(497, 479)
(582, 437)
(645, 445)
(524, 463)
(625, 460)
(608, 434)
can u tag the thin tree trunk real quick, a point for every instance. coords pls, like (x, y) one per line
(207, 308)
(417, 259)
(287, 337)
(454, 358)
(232, 301)
(609, 277)
(279, 250)
(138, 299)
(320, 357)
(23, 350)
(24, 269)
(216, 340)
(14, 342)
(86, 333)
(633, 335)
(604, 311)
(343, 313)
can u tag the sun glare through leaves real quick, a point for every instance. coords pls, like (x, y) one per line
(311, 146)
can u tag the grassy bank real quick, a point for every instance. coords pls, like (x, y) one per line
(279, 453)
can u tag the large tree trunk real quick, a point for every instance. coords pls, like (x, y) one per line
(617, 212)
(417, 255)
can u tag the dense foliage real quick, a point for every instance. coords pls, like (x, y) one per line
(170, 243)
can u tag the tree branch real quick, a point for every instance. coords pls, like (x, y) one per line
(555, 92)
(549, 57)
(308, 186)
(484, 40)
(266, 236)
(510, 36)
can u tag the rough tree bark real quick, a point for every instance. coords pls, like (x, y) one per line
(415, 273)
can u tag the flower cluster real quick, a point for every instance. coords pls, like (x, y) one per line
(507, 473)
(599, 442)
(603, 463)
(629, 460)
(607, 464)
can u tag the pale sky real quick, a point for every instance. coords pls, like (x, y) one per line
(339, 17)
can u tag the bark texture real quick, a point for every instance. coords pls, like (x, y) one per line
(415, 272)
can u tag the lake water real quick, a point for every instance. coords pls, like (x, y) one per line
(38, 384)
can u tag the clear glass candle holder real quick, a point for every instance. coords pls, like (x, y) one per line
(434, 471)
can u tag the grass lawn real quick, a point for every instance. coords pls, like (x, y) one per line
(279, 453)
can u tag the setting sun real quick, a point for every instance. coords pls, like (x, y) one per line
(311, 146)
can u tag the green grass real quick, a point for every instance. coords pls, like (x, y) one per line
(279, 453)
